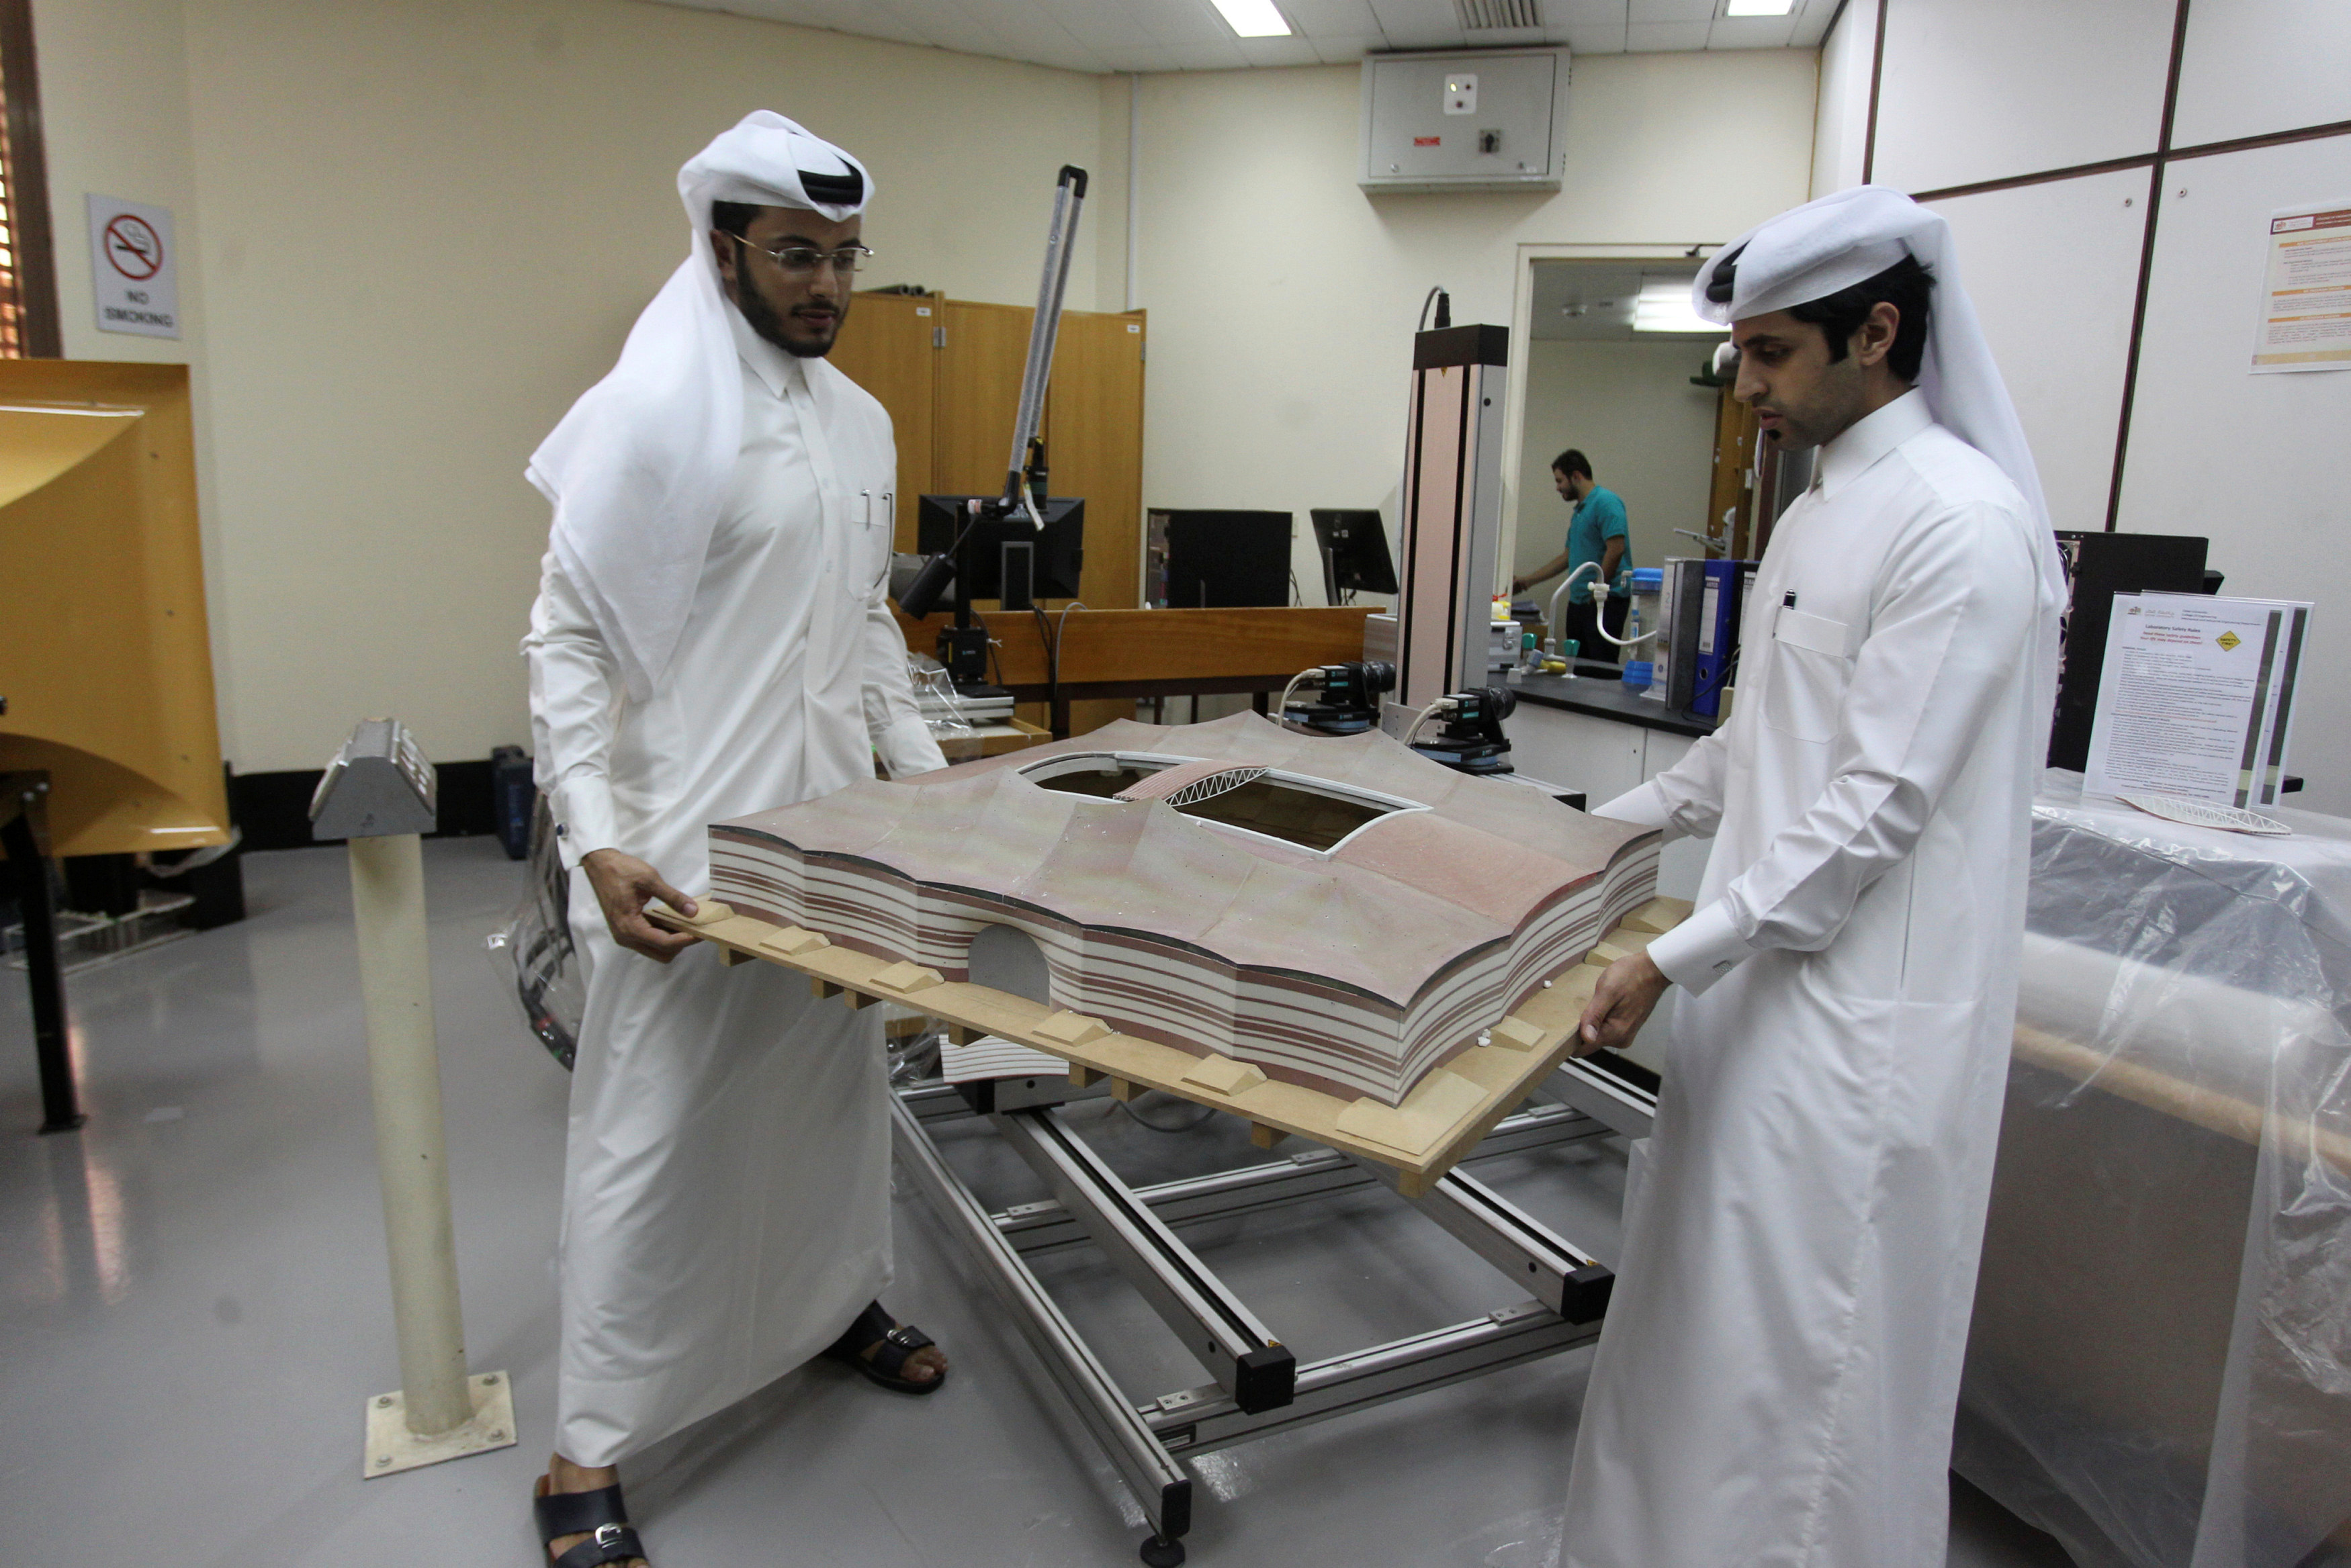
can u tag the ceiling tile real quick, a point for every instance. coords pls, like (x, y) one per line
(1291, 51)
(1096, 36)
(1100, 25)
(1335, 50)
(1749, 32)
(1202, 56)
(1812, 19)
(1320, 19)
(1644, 37)
(1419, 24)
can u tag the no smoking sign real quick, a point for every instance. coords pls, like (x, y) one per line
(134, 273)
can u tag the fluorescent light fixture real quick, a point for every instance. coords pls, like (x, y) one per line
(1253, 18)
(1664, 306)
(1758, 7)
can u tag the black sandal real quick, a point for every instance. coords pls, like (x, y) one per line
(600, 1515)
(897, 1340)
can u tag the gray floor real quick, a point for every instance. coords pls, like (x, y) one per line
(196, 1306)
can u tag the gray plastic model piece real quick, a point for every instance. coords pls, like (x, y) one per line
(378, 784)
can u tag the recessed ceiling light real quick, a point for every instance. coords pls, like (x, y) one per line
(1758, 7)
(1664, 306)
(1253, 18)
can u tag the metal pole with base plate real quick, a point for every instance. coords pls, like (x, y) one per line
(380, 794)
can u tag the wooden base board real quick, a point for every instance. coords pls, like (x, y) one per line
(1439, 1122)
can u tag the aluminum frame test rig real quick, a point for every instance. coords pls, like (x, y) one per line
(1256, 1384)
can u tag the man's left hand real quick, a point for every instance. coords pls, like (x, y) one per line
(1627, 993)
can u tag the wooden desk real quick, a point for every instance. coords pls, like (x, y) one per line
(1157, 653)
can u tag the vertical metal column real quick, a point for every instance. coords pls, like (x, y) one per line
(23, 831)
(411, 1153)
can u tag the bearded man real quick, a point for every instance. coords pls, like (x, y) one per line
(1780, 1365)
(711, 639)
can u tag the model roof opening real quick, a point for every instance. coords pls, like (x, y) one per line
(1317, 814)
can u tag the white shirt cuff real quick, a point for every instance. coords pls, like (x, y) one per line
(583, 817)
(1643, 806)
(907, 746)
(1701, 950)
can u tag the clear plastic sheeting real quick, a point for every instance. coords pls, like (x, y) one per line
(533, 952)
(2159, 1367)
(942, 709)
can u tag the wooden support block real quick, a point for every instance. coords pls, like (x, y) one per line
(1385, 1125)
(904, 977)
(707, 912)
(730, 957)
(826, 989)
(1265, 1136)
(1072, 1029)
(1412, 1184)
(791, 941)
(1083, 1076)
(1619, 943)
(1124, 1090)
(1224, 1075)
(1658, 915)
(963, 1034)
(1515, 1033)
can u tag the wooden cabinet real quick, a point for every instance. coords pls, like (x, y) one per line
(886, 345)
(1093, 438)
(949, 372)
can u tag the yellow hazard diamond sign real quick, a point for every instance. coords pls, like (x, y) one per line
(2228, 641)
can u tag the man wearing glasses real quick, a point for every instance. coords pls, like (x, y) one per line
(711, 639)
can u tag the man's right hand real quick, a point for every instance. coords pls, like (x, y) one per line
(624, 885)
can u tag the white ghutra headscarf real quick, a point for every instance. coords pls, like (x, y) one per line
(1850, 237)
(639, 468)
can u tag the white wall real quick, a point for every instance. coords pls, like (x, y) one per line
(1630, 408)
(419, 230)
(1842, 112)
(1982, 89)
(1978, 90)
(2260, 464)
(2254, 67)
(2053, 270)
(1282, 298)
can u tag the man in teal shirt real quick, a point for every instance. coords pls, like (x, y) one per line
(1597, 532)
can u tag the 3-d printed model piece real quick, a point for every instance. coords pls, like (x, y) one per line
(1337, 913)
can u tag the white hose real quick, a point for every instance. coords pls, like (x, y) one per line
(1600, 597)
(1421, 718)
(1283, 706)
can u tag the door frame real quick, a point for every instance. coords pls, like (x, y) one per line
(1514, 401)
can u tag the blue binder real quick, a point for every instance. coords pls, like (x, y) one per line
(1717, 633)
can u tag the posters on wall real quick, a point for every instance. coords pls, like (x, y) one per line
(2196, 698)
(2305, 323)
(134, 267)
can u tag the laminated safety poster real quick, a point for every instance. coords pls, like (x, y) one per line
(2306, 295)
(2196, 697)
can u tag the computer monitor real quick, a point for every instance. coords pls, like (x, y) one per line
(1054, 557)
(1211, 560)
(1355, 560)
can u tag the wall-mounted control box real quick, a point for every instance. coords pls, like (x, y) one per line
(1458, 121)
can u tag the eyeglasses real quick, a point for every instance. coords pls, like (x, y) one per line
(800, 261)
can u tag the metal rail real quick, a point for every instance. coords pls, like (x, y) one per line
(1150, 1472)
(1046, 1227)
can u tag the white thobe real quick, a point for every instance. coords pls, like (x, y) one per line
(725, 1206)
(1776, 1382)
